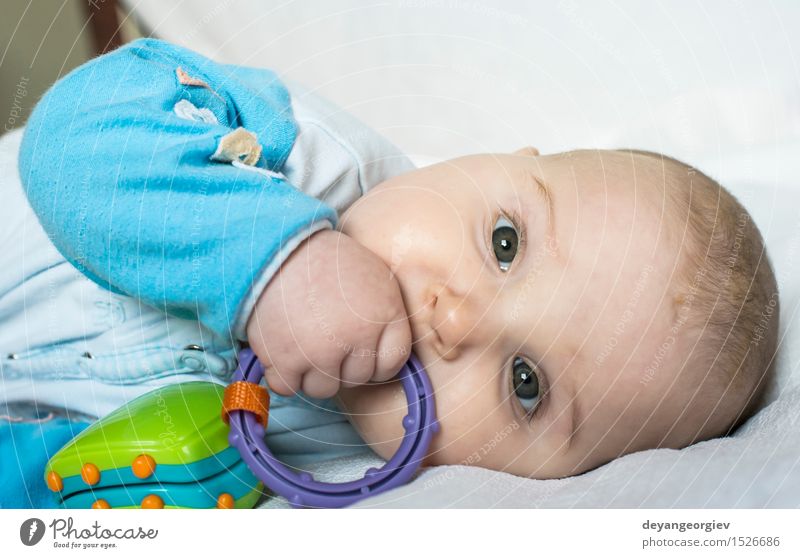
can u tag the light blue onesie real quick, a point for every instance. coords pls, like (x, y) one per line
(177, 186)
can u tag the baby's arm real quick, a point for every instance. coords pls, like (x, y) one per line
(118, 162)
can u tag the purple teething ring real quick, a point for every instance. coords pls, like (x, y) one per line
(420, 424)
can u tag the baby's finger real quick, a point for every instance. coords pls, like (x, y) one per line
(319, 384)
(286, 384)
(394, 347)
(358, 367)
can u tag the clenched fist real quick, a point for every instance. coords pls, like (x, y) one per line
(333, 316)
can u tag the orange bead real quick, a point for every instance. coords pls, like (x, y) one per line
(225, 501)
(143, 466)
(54, 482)
(90, 474)
(152, 502)
(101, 505)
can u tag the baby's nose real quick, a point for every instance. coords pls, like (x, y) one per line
(458, 321)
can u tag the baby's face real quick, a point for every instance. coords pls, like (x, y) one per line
(537, 291)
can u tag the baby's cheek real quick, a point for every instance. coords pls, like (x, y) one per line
(465, 441)
(376, 411)
(474, 430)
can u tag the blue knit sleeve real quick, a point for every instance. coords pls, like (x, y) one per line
(121, 163)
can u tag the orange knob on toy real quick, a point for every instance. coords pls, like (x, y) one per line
(54, 482)
(143, 466)
(152, 502)
(90, 474)
(246, 396)
(101, 505)
(225, 501)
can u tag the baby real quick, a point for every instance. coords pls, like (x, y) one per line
(582, 305)
(569, 308)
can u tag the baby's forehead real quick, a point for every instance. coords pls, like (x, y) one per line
(629, 168)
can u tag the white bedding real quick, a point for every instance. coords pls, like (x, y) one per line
(713, 83)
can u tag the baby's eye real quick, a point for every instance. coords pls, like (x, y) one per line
(504, 242)
(525, 384)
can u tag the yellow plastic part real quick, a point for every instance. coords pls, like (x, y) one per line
(225, 502)
(143, 466)
(152, 502)
(55, 482)
(90, 474)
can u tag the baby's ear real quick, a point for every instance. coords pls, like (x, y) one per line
(527, 152)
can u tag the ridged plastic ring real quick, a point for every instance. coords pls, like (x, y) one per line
(300, 489)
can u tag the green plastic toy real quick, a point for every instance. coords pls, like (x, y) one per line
(166, 449)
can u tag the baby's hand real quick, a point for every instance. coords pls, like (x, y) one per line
(332, 317)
